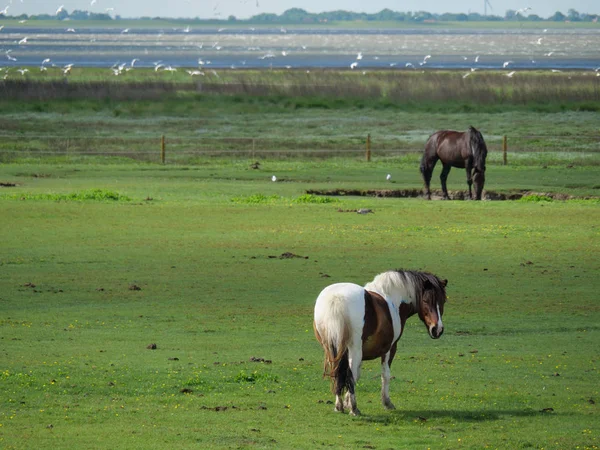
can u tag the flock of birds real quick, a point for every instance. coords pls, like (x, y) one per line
(121, 68)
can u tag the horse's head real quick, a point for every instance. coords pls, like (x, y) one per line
(431, 306)
(479, 151)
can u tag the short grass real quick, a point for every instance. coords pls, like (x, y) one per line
(192, 259)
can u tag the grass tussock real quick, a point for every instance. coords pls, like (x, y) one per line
(86, 195)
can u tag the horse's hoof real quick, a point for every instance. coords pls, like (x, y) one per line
(389, 406)
(355, 412)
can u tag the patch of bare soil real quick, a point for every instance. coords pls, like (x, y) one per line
(287, 255)
(438, 195)
(260, 360)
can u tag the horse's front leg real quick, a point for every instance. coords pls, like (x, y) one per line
(469, 168)
(385, 382)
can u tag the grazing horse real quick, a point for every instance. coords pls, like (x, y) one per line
(466, 150)
(355, 323)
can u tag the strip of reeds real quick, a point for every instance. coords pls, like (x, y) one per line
(331, 88)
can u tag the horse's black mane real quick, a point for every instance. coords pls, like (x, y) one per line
(423, 279)
(478, 148)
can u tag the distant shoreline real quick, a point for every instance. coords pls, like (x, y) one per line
(17, 23)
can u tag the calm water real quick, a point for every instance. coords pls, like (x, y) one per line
(279, 48)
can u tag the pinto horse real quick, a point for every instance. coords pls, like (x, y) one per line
(466, 150)
(354, 324)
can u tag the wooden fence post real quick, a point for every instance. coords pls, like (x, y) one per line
(504, 148)
(368, 147)
(162, 149)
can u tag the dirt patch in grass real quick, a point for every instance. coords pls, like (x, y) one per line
(437, 194)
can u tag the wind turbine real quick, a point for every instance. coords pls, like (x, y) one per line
(486, 3)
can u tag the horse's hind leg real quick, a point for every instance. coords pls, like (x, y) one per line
(354, 360)
(341, 382)
(426, 172)
(443, 178)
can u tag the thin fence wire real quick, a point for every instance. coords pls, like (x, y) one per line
(182, 149)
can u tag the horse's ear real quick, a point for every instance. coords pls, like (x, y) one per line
(445, 283)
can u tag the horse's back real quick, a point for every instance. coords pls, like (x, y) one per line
(340, 301)
(452, 147)
(437, 140)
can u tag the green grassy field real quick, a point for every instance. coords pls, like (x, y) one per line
(104, 254)
(190, 258)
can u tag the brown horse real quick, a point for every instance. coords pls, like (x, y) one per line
(354, 323)
(466, 150)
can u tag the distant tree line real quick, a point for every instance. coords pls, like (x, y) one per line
(300, 16)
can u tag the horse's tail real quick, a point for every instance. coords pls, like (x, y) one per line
(478, 149)
(333, 332)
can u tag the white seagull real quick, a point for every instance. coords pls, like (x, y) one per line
(353, 65)
(510, 74)
(505, 64)
(388, 177)
(273, 178)
(60, 8)
(23, 41)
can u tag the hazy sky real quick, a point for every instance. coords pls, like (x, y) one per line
(245, 8)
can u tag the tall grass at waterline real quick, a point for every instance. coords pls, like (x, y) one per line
(327, 89)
